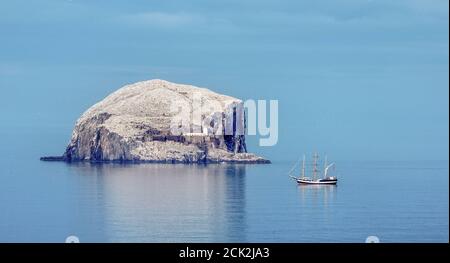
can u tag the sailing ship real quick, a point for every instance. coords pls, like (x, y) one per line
(316, 177)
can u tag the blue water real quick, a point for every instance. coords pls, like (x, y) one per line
(48, 201)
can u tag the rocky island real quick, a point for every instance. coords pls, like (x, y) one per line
(159, 121)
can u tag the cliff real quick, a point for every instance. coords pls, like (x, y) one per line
(160, 121)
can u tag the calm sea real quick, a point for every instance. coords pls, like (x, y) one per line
(46, 202)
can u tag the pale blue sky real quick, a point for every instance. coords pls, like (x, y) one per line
(359, 79)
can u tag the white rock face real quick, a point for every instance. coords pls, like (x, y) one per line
(157, 121)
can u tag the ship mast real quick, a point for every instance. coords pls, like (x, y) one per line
(325, 166)
(316, 156)
(303, 167)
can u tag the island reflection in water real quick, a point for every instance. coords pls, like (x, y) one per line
(167, 202)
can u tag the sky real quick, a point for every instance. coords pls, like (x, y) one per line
(358, 79)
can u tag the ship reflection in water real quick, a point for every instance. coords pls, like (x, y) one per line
(317, 194)
(166, 202)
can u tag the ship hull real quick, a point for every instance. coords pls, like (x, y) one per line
(322, 181)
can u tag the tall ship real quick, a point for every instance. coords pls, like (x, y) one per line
(316, 178)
